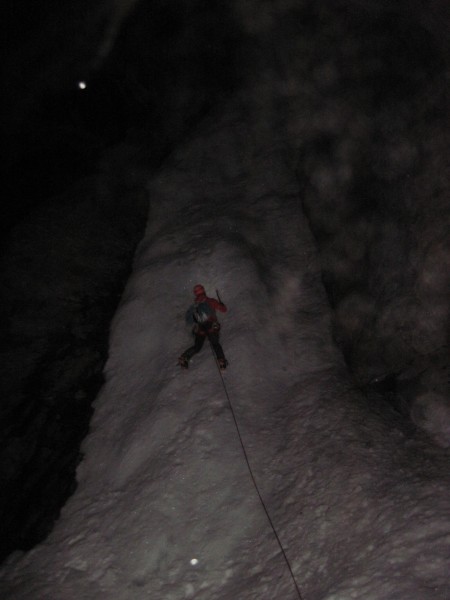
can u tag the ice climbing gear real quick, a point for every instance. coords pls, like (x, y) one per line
(183, 362)
(283, 552)
(223, 363)
(202, 317)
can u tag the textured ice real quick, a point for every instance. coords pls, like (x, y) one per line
(165, 507)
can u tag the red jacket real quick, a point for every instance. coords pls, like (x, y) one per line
(202, 314)
(214, 304)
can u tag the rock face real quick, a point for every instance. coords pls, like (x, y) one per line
(375, 188)
(360, 92)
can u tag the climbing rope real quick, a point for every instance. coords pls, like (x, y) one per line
(283, 552)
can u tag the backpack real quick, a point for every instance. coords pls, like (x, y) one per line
(203, 312)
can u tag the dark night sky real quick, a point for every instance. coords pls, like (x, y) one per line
(54, 132)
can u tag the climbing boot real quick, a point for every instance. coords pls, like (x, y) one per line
(183, 362)
(222, 362)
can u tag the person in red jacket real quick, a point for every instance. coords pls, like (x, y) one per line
(202, 316)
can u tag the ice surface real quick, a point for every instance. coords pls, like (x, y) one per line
(165, 508)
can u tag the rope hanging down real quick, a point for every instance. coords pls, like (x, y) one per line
(283, 552)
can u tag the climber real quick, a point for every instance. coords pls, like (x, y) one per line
(202, 316)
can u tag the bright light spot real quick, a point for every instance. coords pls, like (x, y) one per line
(82, 85)
(194, 561)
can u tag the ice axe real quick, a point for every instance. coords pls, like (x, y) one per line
(218, 297)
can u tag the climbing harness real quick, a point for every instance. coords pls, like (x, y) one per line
(283, 552)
